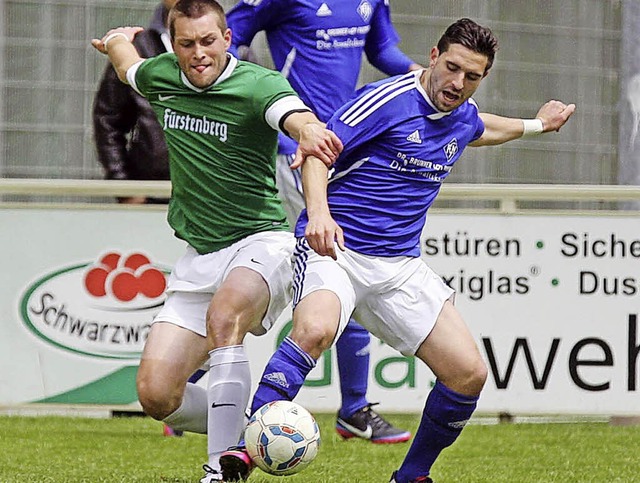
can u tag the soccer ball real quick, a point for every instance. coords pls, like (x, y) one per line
(282, 438)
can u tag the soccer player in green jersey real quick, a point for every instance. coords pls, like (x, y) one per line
(220, 118)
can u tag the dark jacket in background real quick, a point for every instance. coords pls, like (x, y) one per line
(128, 137)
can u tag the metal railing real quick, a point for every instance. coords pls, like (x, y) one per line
(507, 196)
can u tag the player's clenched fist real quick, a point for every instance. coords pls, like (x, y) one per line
(127, 33)
(554, 114)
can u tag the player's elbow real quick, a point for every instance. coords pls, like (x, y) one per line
(122, 75)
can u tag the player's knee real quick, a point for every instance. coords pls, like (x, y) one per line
(474, 377)
(227, 326)
(480, 376)
(467, 378)
(157, 400)
(313, 338)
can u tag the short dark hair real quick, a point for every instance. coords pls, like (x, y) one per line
(195, 9)
(472, 36)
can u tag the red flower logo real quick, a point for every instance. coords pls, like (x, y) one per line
(124, 277)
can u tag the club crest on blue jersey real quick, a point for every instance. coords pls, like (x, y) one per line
(451, 149)
(365, 10)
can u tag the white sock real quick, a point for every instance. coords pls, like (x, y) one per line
(228, 396)
(192, 414)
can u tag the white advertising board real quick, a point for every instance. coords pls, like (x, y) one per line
(553, 301)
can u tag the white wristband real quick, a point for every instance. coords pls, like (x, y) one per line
(113, 36)
(532, 127)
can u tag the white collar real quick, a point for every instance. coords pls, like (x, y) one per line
(436, 115)
(228, 70)
(166, 41)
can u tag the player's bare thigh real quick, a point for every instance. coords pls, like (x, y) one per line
(171, 354)
(324, 299)
(452, 354)
(237, 307)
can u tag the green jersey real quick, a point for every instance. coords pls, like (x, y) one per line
(221, 149)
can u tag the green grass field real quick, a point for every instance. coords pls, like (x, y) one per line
(62, 449)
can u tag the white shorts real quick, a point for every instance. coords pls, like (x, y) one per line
(397, 299)
(195, 278)
(289, 185)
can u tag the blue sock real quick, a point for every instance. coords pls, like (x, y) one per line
(444, 416)
(353, 365)
(284, 374)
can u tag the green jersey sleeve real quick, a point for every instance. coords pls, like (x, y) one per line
(153, 74)
(269, 88)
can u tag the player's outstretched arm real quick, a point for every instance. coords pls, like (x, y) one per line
(314, 139)
(322, 232)
(551, 117)
(117, 44)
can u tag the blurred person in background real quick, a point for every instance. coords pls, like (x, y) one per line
(128, 137)
(318, 46)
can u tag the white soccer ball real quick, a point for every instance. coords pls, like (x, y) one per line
(282, 438)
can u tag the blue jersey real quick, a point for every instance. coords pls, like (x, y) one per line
(398, 149)
(317, 45)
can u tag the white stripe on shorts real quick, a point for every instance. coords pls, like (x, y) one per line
(300, 254)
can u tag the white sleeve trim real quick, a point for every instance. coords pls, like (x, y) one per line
(131, 75)
(283, 106)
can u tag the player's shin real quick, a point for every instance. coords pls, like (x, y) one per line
(228, 395)
(443, 418)
(352, 349)
(284, 374)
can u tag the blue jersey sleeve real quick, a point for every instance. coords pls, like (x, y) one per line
(381, 38)
(248, 17)
(479, 123)
(479, 129)
(391, 61)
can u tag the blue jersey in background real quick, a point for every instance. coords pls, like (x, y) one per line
(318, 45)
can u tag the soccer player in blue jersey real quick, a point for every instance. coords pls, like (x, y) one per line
(401, 138)
(318, 45)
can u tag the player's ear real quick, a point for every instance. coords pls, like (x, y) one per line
(486, 73)
(227, 38)
(487, 69)
(433, 56)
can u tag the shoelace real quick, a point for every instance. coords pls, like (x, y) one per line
(374, 418)
(238, 447)
(208, 469)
